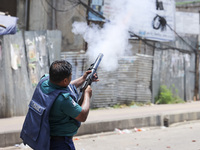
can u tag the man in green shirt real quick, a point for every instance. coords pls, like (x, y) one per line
(65, 113)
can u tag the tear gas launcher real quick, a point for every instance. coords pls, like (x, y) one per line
(90, 77)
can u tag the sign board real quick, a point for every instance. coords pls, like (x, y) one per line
(187, 23)
(143, 16)
(96, 5)
(167, 11)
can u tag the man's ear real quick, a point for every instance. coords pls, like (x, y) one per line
(65, 80)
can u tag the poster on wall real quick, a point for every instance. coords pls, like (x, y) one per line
(15, 56)
(32, 60)
(152, 19)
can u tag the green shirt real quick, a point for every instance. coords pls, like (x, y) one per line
(62, 111)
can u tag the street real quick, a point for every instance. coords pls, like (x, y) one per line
(184, 136)
(181, 136)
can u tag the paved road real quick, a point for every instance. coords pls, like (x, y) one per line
(182, 136)
(104, 120)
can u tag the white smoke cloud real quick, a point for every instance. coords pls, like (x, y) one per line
(112, 39)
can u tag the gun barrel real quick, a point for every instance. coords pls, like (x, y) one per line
(97, 61)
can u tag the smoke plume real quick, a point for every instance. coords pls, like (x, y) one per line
(112, 39)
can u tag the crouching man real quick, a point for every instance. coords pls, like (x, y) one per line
(54, 115)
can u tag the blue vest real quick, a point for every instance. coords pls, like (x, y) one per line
(36, 129)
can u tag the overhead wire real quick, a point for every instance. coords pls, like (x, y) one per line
(59, 10)
(63, 10)
(162, 20)
(161, 43)
(145, 40)
(181, 38)
(72, 4)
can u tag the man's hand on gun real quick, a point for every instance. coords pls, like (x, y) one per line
(95, 77)
(89, 76)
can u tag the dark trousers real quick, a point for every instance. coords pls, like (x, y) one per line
(61, 143)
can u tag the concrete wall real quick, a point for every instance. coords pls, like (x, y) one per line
(23, 60)
(140, 76)
(130, 82)
(16, 89)
(43, 17)
(175, 69)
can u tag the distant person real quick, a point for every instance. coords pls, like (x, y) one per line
(54, 115)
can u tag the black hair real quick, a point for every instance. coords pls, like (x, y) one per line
(59, 70)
